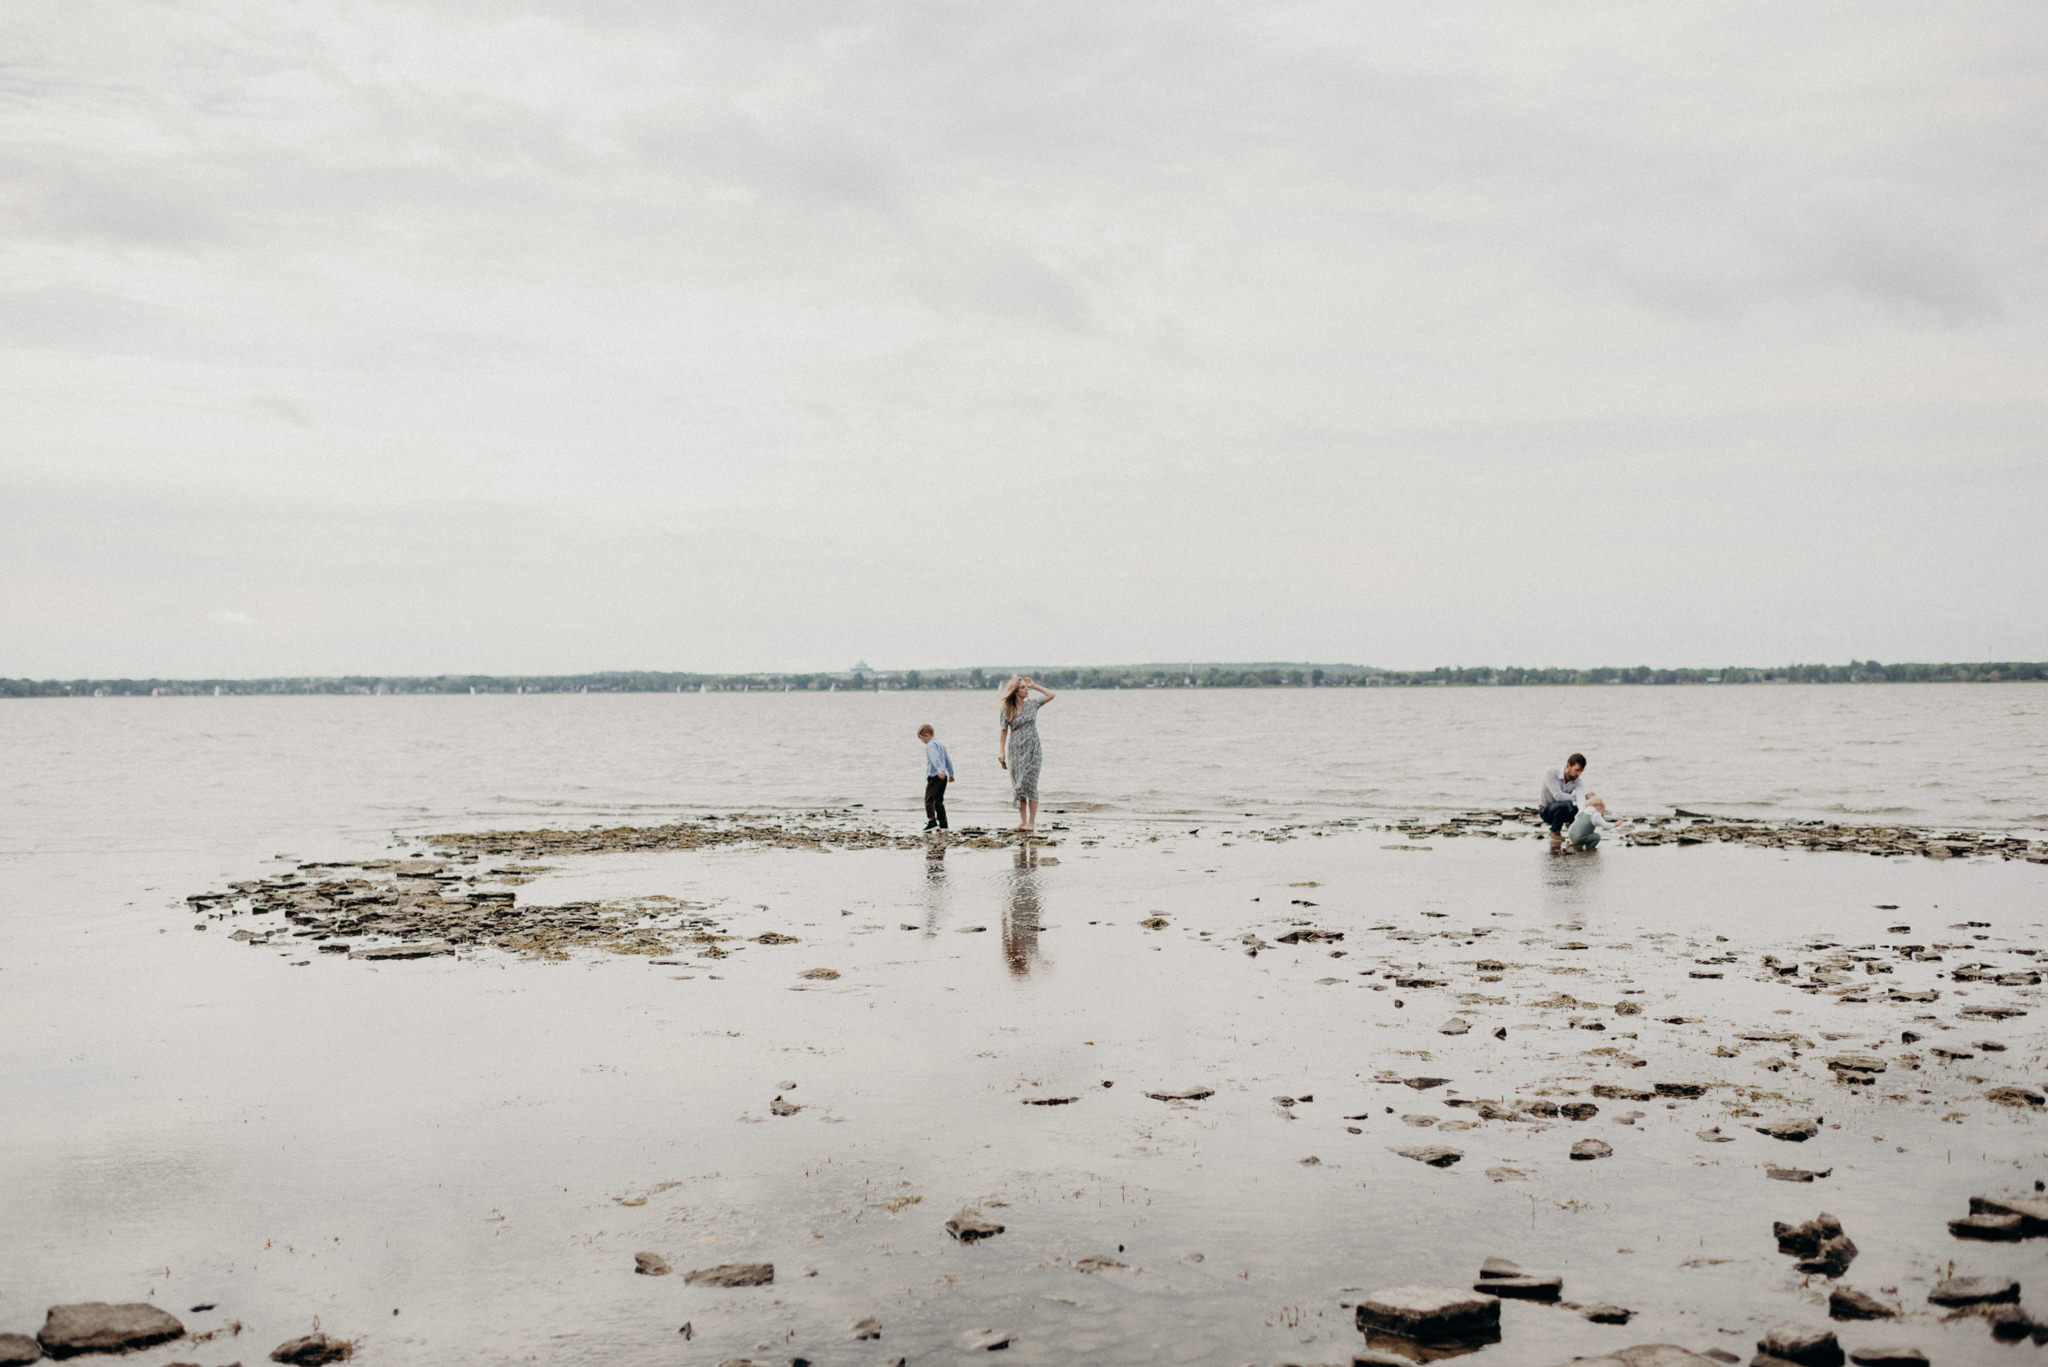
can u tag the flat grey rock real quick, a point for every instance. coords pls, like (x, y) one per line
(1500, 1267)
(732, 1274)
(1846, 1303)
(405, 951)
(1431, 1314)
(1522, 1288)
(970, 1225)
(1804, 1344)
(1646, 1355)
(1436, 1155)
(1967, 1291)
(1988, 1227)
(2032, 1210)
(1888, 1357)
(1778, 1174)
(985, 1340)
(1792, 1131)
(16, 1349)
(1456, 1025)
(1588, 1149)
(867, 1327)
(1187, 1094)
(650, 1265)
(1606, 1314)
(312, 1351)
(1857, 1063)
(97, 1327)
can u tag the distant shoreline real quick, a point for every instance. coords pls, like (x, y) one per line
(863, 679)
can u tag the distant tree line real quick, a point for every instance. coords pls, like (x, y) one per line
(1114, 676)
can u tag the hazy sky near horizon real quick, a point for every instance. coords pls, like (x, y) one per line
(560, 335)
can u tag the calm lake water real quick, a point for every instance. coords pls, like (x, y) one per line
(454, 1160)
(95, 774)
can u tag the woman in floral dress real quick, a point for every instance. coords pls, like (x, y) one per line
(1019, 752)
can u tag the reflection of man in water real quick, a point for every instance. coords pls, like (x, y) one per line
(1020, 918)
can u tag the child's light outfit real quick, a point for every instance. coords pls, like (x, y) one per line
(1588, 826)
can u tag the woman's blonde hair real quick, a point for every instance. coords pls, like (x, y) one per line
(1012, 686)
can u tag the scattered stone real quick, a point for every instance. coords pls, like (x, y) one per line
(17, 1349)
(312, 1350)
(1578, 1110)
(1990, 1013)
(824, 975)
(1987, 1227)
(1613, 1093)
(781, 1107)
(1500, 1267)
(1506, 1174)
(1682, 1090)
(1857, 1065)
(650, 1265)
(1791, 1131)
(1050, 1100)
(1650, 1355)
(97, 1327)
(985, 1340)
(1423, 1084)
(421, 950)
(1522, 1288)
(1845, 1303)
(1606, 1314)
(1189, 1094)
(2024, 1097)
(1592, 1148)
(1831, 1259)
(1888, 1357)
(732, 1275)
(1797, 1343)
(1436, 1155)
(1431, 1314)
(1714, 1136)
(1973, 1291)
(867, 1327)
(970, 1225)
(1804, 1240)
(2032, 1210)
(1096, 1262)
(1456, 1025)
(1778, 1174)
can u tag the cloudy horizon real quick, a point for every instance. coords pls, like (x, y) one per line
(557, 336)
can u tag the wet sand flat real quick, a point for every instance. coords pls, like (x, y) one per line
(816, 1057)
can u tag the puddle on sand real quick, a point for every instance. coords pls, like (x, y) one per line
(484, 1142)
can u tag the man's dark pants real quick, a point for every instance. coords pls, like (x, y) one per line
(935, 800)
(1556, 814)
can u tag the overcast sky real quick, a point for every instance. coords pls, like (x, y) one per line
(560, 335)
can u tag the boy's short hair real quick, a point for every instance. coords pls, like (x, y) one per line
(925, 732)
(1577, 759)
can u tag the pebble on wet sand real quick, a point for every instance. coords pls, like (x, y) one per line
(867, 1327)
(97, 1327)
(1587, 1149)
(16, 1349)
(650, 1265)
(1431, 1314)
(1792, 1131)
(1436, 1155)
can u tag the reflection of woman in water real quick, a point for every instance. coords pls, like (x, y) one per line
(1020, 918)
(1019, 752)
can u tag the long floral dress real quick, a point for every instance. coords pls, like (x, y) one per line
(1024, 754)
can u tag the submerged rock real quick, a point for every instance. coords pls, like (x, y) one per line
(97, 1327)
(1792, 1131)
(1845, 1303)
(313, 1350)
(1436, 1155)
(970, 1225)
(1431, 1314)
(1974, 1291)
(17, 1349)
(1646, 1355)
(1797, 1343)
(1186, 1094)
(731, 1275)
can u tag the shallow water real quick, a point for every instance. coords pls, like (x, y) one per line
(193, 1120)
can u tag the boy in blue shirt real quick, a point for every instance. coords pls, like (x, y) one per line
(938, 772)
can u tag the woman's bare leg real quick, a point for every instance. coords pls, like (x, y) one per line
(1031, 819)
(1022, 817)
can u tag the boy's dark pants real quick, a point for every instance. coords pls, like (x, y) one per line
(935, 800)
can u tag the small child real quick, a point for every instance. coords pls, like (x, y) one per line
(938, 772)
(1589, 823)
